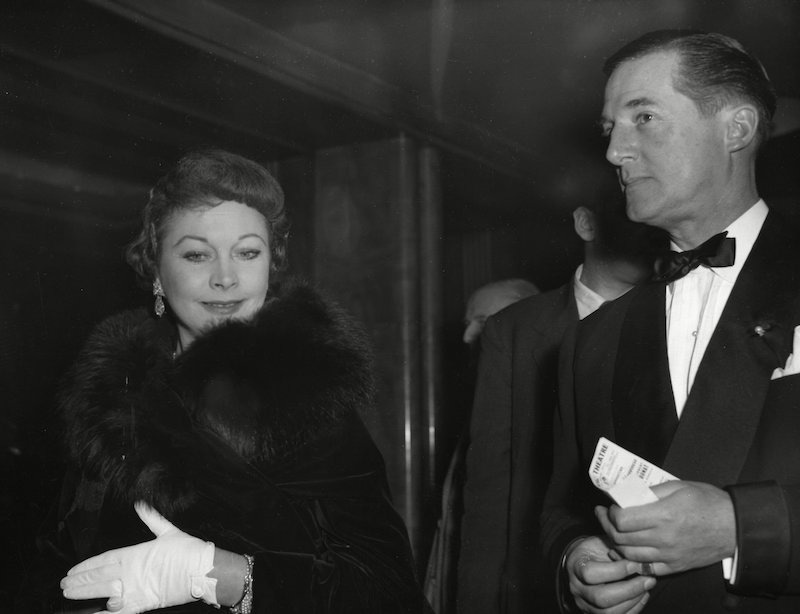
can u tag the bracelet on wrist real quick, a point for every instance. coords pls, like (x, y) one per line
(245, 605)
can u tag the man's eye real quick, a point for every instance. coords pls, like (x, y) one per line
(644, 118)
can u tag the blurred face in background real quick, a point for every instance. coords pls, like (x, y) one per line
(214, 266)
(631, 247)
(486, 302)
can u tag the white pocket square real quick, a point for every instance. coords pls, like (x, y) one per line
(792, 366)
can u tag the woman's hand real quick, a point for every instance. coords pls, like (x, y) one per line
(166, 571)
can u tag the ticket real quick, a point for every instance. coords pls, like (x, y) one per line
(626, 477)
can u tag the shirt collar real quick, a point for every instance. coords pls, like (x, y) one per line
(745, 230)
(586, 299)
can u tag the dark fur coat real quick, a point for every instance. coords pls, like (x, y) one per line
(252, 439)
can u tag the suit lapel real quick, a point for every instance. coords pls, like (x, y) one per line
(724, 406)
(586, 370)
(643, 404)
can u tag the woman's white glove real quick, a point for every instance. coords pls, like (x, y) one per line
(168, 570)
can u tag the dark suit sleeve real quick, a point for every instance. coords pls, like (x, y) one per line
(486, 490)
(561, 522)
(768, 509)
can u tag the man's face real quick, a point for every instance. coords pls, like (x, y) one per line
(484, 303)
(672, 162)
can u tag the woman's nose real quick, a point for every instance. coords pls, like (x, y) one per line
(224, 275)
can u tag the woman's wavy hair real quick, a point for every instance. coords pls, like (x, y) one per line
(206, 178)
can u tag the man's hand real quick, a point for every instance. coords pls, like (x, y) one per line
(691, 525)
(600, 583)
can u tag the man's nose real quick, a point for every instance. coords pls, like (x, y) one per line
(621, 146)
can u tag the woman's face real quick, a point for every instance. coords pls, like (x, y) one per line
(214, 265)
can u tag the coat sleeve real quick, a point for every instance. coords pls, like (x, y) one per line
(488, 474)
(561, 523)
(333, 542)
(767, 500)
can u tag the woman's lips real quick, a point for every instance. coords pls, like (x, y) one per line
(221, 308)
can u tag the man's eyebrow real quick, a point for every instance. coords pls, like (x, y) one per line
(644, 101)
(633, 103)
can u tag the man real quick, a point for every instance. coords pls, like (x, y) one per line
(679, 371)
(440, 576)
(491, 298)
(508, 461)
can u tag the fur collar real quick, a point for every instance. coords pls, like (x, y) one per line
(266, 387)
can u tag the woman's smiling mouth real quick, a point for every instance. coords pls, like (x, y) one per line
(222, 308)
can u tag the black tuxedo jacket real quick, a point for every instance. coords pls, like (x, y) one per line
(738, 429)
(509, 457)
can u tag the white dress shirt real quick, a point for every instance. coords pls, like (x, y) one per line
(695, 302)
(694, 306)
(586, 299)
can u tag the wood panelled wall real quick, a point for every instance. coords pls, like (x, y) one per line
(377, 248)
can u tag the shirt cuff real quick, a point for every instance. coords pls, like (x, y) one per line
(730, 566)
(566, 604)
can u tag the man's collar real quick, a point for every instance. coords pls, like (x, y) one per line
(586, 299)
(745, 230)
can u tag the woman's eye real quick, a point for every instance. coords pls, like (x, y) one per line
(249, 254)
(195, 256)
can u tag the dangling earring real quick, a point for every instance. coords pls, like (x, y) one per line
(158, 292)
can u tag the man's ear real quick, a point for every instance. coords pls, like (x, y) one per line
(583, 219)
(741, 128)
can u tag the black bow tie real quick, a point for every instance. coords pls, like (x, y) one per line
(718, 251)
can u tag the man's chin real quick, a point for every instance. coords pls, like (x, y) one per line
(638, 207)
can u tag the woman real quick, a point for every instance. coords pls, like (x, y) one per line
(226, 425)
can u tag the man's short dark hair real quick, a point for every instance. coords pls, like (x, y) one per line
(715, 71)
